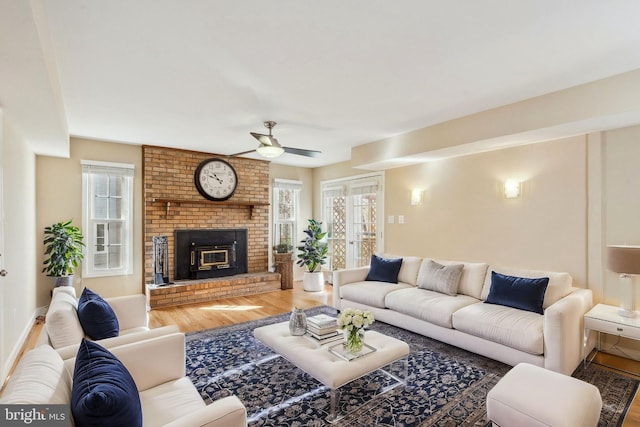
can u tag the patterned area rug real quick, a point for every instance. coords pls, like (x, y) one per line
(446, 386)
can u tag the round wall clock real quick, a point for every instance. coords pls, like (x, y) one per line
(216, 179)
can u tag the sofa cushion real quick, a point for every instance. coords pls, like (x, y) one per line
(170, 401)
(518, 329)
(40, 378)
(384, 269)
(103, 392)
(409, 269)
(370, 293)
(472, 279)
(517, 292)
(61, 321)
(439, 278)
(96, 316)
(430, 306)
(559, 283)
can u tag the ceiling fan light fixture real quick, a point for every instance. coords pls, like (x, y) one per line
(270, 151)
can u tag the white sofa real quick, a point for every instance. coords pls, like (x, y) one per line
(157, 365)
(63, 332)
(552, 340)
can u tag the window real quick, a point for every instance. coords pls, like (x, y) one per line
(286, 202)
(107, 218)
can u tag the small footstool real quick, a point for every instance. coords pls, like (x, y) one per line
(529, 395)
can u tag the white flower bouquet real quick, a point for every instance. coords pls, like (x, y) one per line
(352, 322)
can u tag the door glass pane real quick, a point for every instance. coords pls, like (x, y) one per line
(336, 226)
(364, 228)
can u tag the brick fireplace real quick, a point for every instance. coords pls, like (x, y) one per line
(172, 202)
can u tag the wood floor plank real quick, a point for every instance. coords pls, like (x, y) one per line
(196, 317)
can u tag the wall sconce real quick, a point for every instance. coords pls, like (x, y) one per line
(417, 196)
(512, 189)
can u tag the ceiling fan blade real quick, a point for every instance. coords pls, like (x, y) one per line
(302, 152)
(241, 153)
(264, 139)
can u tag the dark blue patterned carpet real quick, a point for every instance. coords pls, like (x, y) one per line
(446, 386)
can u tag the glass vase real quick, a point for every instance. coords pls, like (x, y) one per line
(297, 322)
(354, 340)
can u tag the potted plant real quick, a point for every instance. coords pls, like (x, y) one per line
(63, 249)
(313, 254)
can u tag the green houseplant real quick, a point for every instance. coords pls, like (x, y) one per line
(63, 251)
(312, 255)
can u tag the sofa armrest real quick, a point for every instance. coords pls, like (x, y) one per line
(344, 277)
(131, 310)
(225, 412)
(70, 351)
(151, 362)
(564, 331)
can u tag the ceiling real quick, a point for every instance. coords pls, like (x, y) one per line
(202, 74)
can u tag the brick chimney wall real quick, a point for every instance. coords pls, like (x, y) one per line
(168, 174)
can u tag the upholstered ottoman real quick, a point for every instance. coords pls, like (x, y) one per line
(529, 395)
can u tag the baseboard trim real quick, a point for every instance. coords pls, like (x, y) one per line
(19, 345)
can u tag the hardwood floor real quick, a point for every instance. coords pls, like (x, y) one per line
(196, 317)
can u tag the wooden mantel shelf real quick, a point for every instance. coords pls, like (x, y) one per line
(178, 202)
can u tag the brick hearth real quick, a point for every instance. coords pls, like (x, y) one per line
(193, 291)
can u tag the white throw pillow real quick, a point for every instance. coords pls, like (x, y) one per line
(439, 278)
(409, 269)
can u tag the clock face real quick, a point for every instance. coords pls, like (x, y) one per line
(216, 179)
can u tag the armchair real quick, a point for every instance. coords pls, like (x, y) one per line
(157, 366)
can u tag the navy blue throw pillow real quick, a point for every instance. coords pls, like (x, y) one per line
(103, 392)
(518, 292)
(384, 270)
(97, 318)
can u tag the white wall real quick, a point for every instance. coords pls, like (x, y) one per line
(621, 183)
(465, 216)
(21, 261)
(59, 198)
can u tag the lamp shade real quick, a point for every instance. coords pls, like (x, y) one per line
(623, 259)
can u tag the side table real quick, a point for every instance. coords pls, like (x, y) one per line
(284, 266)
(604, 318)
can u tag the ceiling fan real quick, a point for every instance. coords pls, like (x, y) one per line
(270, 147)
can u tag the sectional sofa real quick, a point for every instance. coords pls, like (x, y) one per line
(421, 302)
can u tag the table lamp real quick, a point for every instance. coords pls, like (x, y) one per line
(626, 261)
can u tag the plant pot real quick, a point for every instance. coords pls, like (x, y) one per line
(58, 281)
(313, 282)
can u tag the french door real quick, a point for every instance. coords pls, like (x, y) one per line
(352, 216)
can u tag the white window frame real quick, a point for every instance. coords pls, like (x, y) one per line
(91, 168)
(289, 184)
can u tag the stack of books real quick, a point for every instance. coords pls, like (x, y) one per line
(323, 329)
